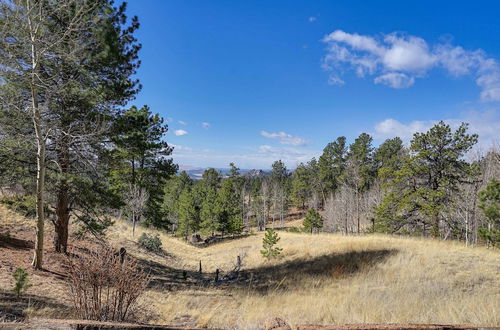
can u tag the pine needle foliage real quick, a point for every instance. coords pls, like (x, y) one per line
(269, 241)
(22, 281)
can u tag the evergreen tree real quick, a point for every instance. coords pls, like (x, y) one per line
(331, 165)
(419, 196)
(228, 208)
(269, 241)
(188, 214)
(140, 145)
(489, 203)
(313, 221)
(66, 65)
(388, 158)
(172, 190)
(301, 185)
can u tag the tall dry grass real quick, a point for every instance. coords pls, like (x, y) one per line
(332, 279)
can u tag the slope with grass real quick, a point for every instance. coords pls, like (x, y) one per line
(317, 279)
(331, 279)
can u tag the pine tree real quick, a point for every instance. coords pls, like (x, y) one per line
(489, 203)
(141, 147)
(269, 241)
(188, 214)
(419, 196)
(313, 221)
(227, 206)
(331, 165)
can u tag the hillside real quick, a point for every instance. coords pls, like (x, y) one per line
(320, 279)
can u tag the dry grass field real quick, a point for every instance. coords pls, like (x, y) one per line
(333, 279)
(318, 279)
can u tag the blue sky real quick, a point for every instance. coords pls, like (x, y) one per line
(256, 81)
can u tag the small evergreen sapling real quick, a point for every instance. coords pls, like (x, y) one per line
(22, 281)
(313, 221)
(269, 241)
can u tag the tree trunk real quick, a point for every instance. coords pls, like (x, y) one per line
(40, 187)
(62, 222)
(40, 159)
(61, 225)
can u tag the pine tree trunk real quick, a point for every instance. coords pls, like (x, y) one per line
(61, 225)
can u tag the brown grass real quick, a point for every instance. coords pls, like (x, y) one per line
(333, 279)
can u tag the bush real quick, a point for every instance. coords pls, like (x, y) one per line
(150, 242)
(22, 281)
(102, 288)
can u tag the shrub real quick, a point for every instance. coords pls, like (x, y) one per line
(101, 287)
(270, 239)
(150, 242)
(21, 281)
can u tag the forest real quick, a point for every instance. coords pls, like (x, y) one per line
(437, 186)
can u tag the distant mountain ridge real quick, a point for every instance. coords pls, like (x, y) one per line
(197, 172)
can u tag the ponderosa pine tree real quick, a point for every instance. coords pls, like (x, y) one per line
(419, 195)
(140, 145)
(228, 209)
(331, 165)
(61, 59)
(188, 214)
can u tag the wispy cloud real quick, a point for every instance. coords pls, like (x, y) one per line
(312, 19)
(398, 59)
(182, 122)
(285, 138)
(180, 132)
(205, 125)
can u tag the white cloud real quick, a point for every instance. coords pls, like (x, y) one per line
(178, 148)
(180, 132)
(395, 80)
(485, 123)
(312, 19)
(205, 125)
(398, 59)
(169, 119)
(285, 138)
(182, 122)
(334, 80)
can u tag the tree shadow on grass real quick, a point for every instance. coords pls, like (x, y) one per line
(282, 276)
(12, 308)
(293, 273)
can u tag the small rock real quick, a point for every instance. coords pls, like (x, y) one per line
(275, 323)
(194, 239)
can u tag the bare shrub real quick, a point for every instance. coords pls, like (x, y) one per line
(102, 288)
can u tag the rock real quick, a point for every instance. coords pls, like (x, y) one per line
(275, 323)
(195, 238)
